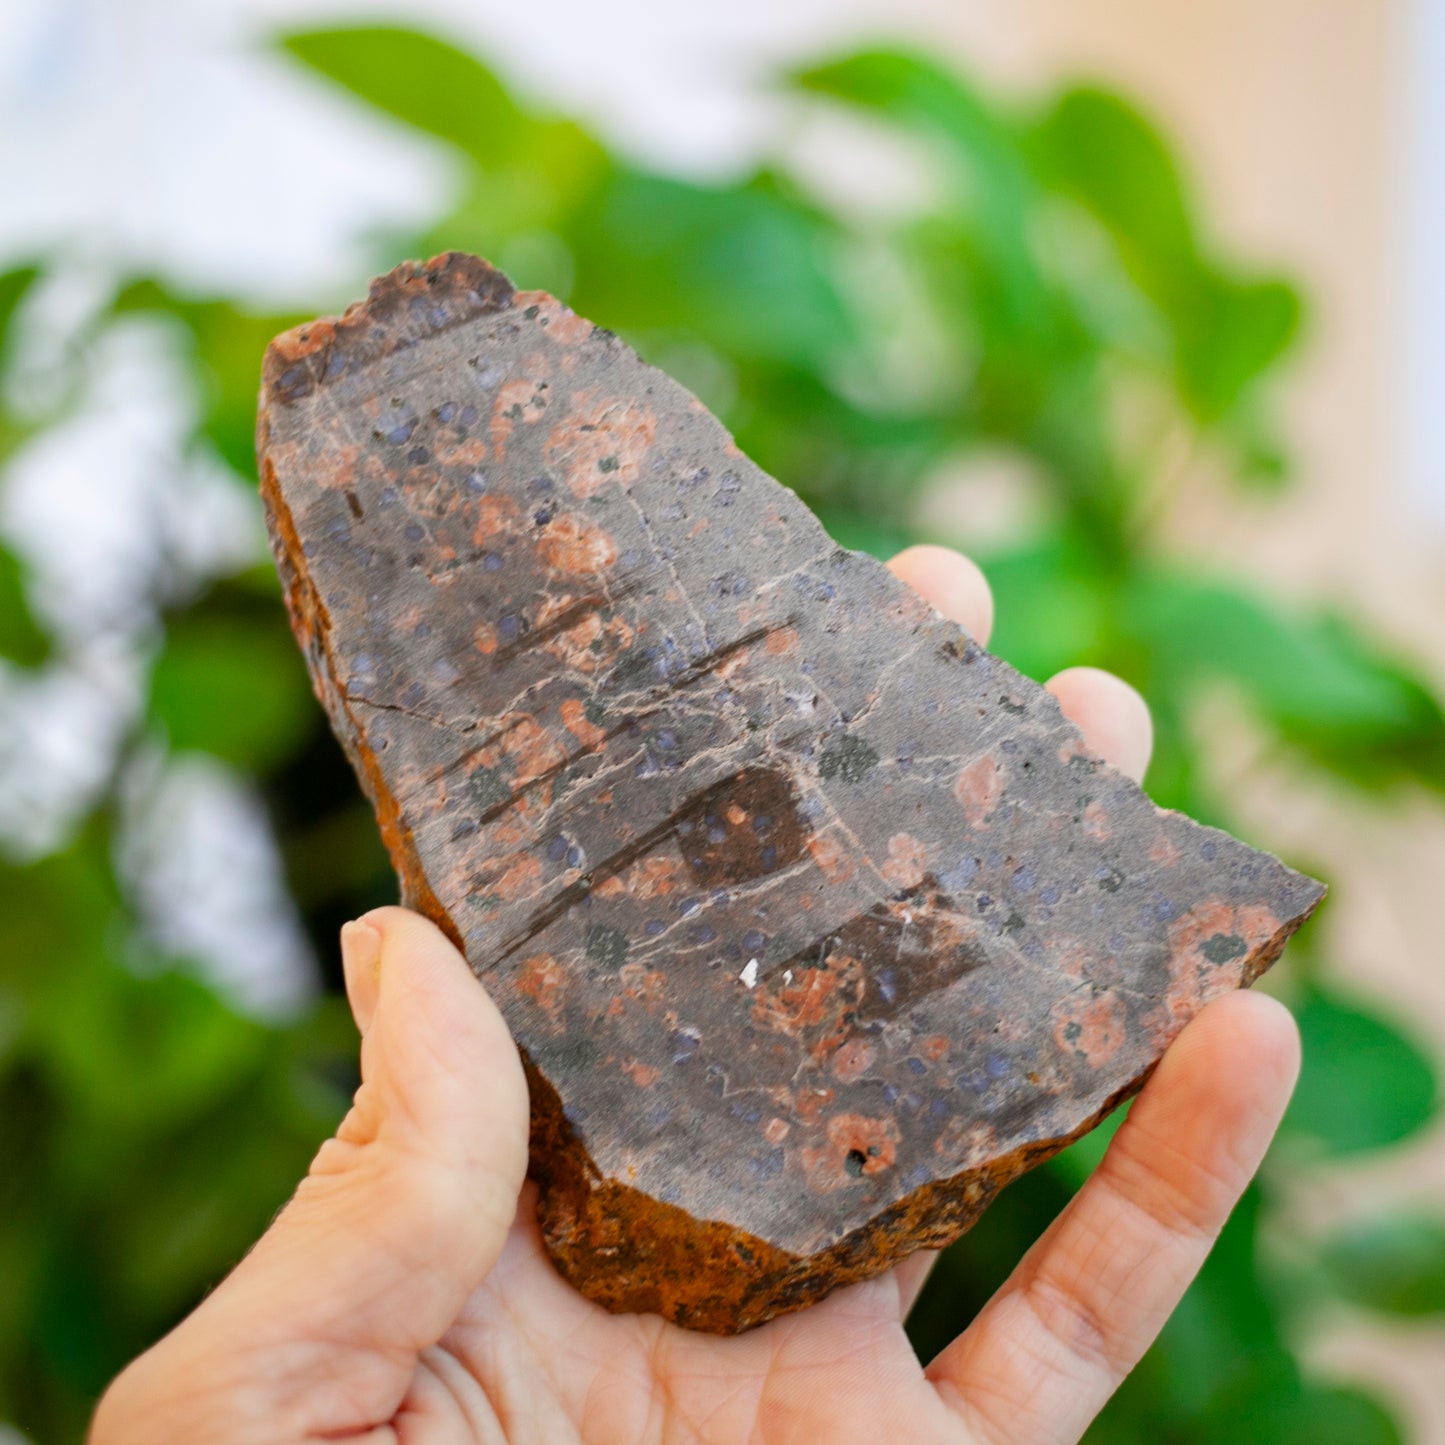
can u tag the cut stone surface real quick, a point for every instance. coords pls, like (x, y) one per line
(815, 922)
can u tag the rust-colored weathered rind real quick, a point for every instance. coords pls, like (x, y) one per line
(815, 922)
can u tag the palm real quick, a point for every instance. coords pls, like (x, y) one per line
(530, 1358)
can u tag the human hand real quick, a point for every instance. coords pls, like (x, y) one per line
(404, 1296)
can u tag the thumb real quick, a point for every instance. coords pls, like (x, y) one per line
(401, 1216)
(407, 1208)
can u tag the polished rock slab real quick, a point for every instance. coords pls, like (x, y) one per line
(816, 923)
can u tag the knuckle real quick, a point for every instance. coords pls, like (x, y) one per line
(1180, 1193)
(1072, 1321)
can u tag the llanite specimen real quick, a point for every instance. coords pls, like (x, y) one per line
(815, 922)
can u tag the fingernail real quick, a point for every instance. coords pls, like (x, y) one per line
(361, 964)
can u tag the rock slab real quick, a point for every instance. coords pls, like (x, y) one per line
(816, 923)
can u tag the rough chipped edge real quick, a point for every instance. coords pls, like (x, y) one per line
(311, 623)
(411, 302)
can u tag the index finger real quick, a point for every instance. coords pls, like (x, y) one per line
(1088, 1299)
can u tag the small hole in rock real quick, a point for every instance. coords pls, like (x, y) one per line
(854, 1162)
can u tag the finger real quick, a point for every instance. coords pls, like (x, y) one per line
(425, 1169)
(952, 583)
(1086, 1302)
(361, 968)
(1113, 718)
(403, 1213)
(911, 1276)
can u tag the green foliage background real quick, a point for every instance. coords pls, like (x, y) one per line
(1058, 277)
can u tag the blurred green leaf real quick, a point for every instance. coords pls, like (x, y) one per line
(1314, 677)
(1100, 151)
(232, 687)
(993, 186)
(228, 343)
(524, 216)
(1239, 330)
(1094, 146)
(216, 1183)
(1363, 1084)
(21, 1240)
(146, 1052)
(837, 455)
(76, 1340)
(1268, 1403)
(420, 80)
(744, 268)
(1395, 1265)
(918, 94)
(1049, 609)
(22, 641)
(1259, 1398)
(864, 534)
(338, 855)
(1263, 463)
(1293, 669)
(56, 911)
(15, 285)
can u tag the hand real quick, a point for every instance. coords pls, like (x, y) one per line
(404, 1296)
